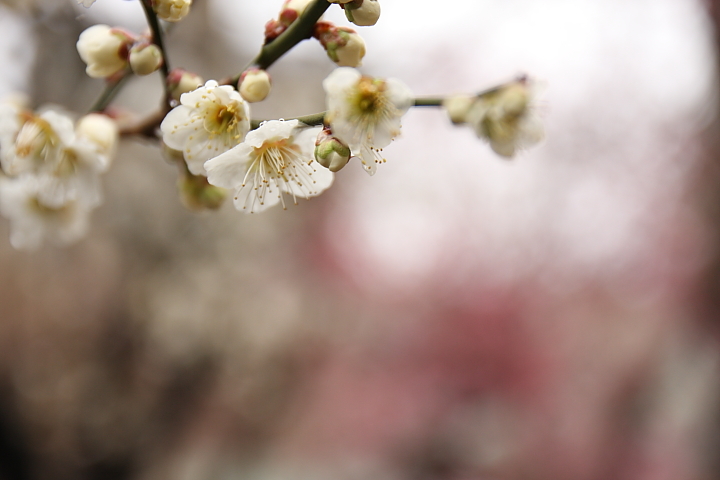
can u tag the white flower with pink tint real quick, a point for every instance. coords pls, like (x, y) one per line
(210, 120)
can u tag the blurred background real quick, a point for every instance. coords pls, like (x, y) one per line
(455, 317)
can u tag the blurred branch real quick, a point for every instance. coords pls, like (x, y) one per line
(428, 102)
(112, 88)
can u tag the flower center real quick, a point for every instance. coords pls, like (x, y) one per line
(369, 95)
(271, 156)
(224, 120)
(35, 137)
(67, 164)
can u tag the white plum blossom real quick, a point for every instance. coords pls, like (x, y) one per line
(274, 160)
(210, 120)
(66, 165)
(38, 142)
(364, 112)
(32, 221)
(12, 114)
(506, 117)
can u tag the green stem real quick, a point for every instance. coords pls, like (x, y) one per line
(157, 38)
(311, 120)
(111, 90)
(301, 29)
(428, 102)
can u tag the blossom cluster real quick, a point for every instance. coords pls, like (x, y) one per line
(51, 172)
(51, 165)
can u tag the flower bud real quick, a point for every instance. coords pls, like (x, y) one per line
(298, 6)
(100, 130)
(145, 58)
(104, 50)
(343, 45)
(330, 152)
(172, 10)
(181, 81)
(352, 52)
(254, 85)
(197, 194)
(363, 13)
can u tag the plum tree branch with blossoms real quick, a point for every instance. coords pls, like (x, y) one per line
(52, 164)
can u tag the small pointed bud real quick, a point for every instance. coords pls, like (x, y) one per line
(458, 106)
(330, 152)
(254, 85)
(104, 50)
(363, 13)
(172, 10)
(197, 194)
(181, 81)
(145, 58)
(100, 130)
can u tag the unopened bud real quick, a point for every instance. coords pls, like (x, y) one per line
(363, 13)
(298, 6)
(101, 130)
(172, 10)
(254, 85)
(343, 45)
(330, 152)
(145, 58)
(181, 81)
(352, 52)
(104, 50)
(197, 194)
